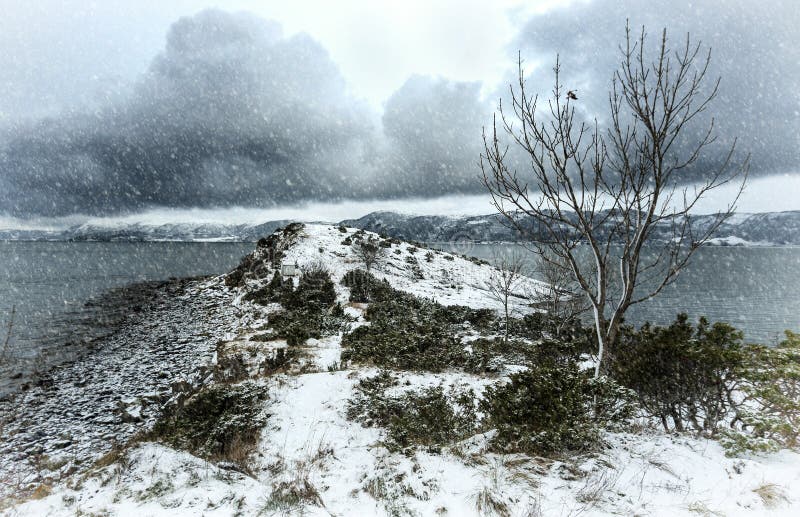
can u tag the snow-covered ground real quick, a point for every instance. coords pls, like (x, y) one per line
(342, 468)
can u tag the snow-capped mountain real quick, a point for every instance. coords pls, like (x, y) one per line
(777, 229)
(766, 229)
(141, 232)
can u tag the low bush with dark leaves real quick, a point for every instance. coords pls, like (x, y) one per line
(430, 417)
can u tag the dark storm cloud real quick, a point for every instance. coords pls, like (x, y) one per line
(433, 132)
(231, 112)
(754, 51)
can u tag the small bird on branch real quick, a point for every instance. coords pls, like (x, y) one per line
(571, 95)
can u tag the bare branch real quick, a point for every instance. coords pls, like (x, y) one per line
(602, 193)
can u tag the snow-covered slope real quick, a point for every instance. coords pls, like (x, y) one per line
(310, 451)
(444, 277)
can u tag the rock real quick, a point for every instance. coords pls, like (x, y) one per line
(130, 412)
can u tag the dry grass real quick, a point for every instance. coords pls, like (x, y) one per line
(113, 456)
(469, 458)
(237, 454)
(296, 489)
(489, 499)
(771, 494)
(701, 508)
(488, 502)
(597, 485)
(288, 496)
(41, 491)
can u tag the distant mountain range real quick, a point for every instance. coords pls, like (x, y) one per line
(767, 229)
(140, 232)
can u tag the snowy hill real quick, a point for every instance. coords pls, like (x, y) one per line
(309, 456)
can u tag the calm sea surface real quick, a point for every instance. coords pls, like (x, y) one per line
(49, 281)
(755, 289)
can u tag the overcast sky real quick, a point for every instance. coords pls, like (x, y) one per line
(64, 51)
(111, 107)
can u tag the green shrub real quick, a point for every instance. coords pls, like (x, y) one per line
(297, 326)
(270, 293)
(553, 407)
(430, 418)
(315, 290)
(541, 325)
(770, 419)
(404, 346)
(411, 333)
(310, 311)
(279, 359)
(408, 333)
(682, 374)
(236, 277)
(489, 354)
(219, 421)
(704, 379)
(364, 286)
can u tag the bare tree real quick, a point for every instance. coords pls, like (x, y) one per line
(563, 299)
(369, 251)
(506, 277)
(608, 190)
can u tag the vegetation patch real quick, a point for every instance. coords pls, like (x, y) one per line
(291, 496)
(431, 417)
(570, 333)
(270, 293)
(297, 326)
(406, 332)
(310, 309)
(553, 407)
(683, 375)
(279, 360)
(219, 422)
(410, 333)
(272, 246)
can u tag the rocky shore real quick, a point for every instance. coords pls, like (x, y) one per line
(159, 336)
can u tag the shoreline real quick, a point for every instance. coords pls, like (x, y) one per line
(116, 387)
(81, 333)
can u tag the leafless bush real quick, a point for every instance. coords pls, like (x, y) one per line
(506, 277)
(369, 252)
(563, 299)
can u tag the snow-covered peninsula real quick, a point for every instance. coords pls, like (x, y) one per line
(228, 396)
